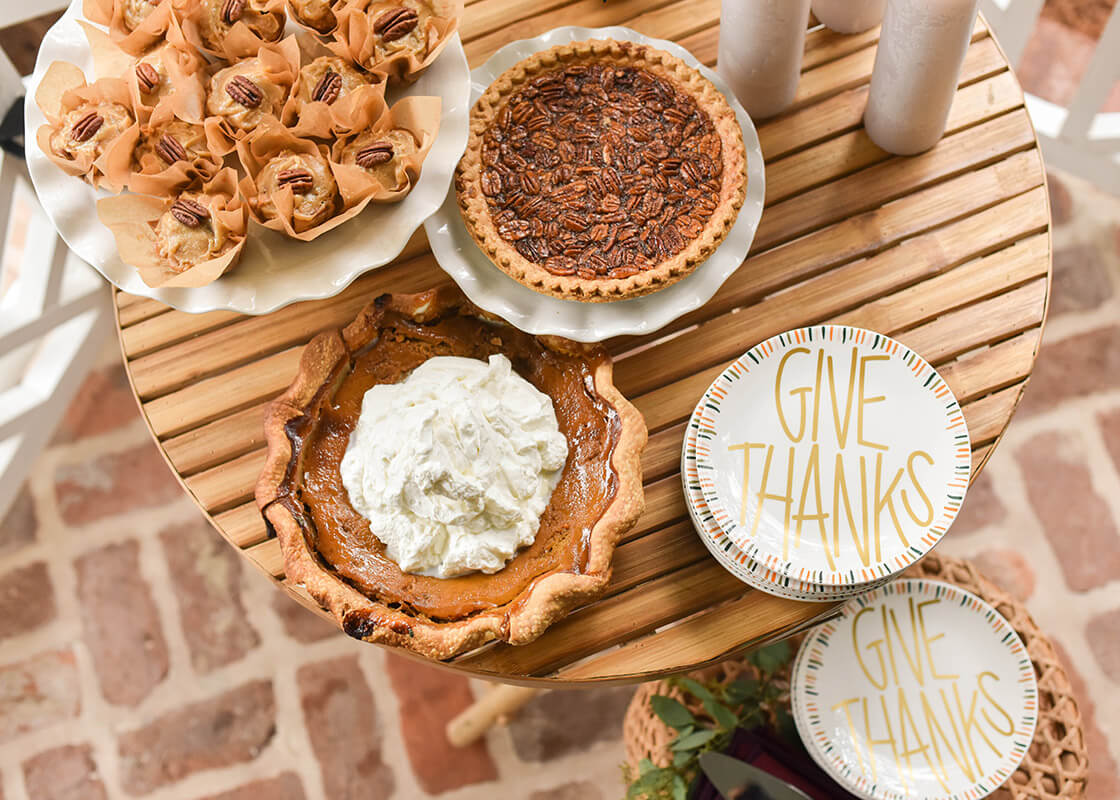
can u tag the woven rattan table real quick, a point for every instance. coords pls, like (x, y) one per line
(948, 251)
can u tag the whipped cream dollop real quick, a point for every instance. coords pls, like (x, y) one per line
(454, 465)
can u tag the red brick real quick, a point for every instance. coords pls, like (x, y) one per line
(228, 729)
(114, 482)
(981, 507)
(1084, 16)
(342, 724)
(579, 790)
(1103, 632)
(121, 624)
(104, 402)
(1104, 776)
(1110, 427)
(1061, 201)
(1076, 520)
(301, 623)
(41, 691)
(26, 599)
(285, 786)
(64, 773)
(557, 723)
(428, 697)
(1080, 281)
(1054, 60)
(1008, 569)
(1074, 367)
(18, 528)
(205, 574)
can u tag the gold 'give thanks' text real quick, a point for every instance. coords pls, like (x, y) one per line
(872, 486)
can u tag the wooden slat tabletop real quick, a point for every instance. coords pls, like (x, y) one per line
(948, 251)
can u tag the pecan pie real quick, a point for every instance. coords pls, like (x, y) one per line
(329, 547)
(601, 170)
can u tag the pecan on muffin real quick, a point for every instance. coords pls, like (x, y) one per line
(380, 153)
(84, 132)
(318, 15)
(312, 185)
(215, 20)
(242, 95)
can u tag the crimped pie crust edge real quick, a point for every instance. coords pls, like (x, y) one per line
(476, 214)
(545, 601)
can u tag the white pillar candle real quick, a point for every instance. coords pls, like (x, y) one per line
(849, 16)
(760, 47)
(921, 49)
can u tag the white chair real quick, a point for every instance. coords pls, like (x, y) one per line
(1079, 138)
(55, 310)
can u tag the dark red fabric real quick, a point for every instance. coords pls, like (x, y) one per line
(794, 766)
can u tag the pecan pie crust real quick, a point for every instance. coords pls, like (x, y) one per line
(329, 548)
(601, 170)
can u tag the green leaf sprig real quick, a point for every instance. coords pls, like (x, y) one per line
(741, 703)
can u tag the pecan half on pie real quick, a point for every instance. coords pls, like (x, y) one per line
(601, 170)
(484, 506)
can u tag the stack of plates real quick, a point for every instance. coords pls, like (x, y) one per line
(825, 461)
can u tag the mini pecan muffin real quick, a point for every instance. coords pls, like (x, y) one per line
(134, 12)
(380, 153)
(315, 14)
(151, 77)
(168, 70)
(313, 187)
(242, 95)
(171, 143)
(215, 19)
(327, 79)
(187, 234)
(85, 131)
(399, 26)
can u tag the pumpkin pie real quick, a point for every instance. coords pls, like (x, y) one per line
(601, 170)
(330, 548)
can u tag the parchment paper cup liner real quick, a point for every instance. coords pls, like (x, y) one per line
(158, 26)
(280, 62)
(294, 15)
(266, 142)
(239, 42)
(147, 173)
(99, 11)
(132, 219)
(417, 115)
(356, 111)
(63, 89)
(181, 94)
(354, 37)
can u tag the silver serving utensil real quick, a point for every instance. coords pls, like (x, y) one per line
(738, 780)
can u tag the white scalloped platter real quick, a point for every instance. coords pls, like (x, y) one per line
(274, 271)
(490, 288)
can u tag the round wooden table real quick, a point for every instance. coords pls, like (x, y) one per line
(948, 251)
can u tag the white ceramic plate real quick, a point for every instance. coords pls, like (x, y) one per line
(833, 455)
(274, 271)
(918, 691)
(490, 288)
(731, 558)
